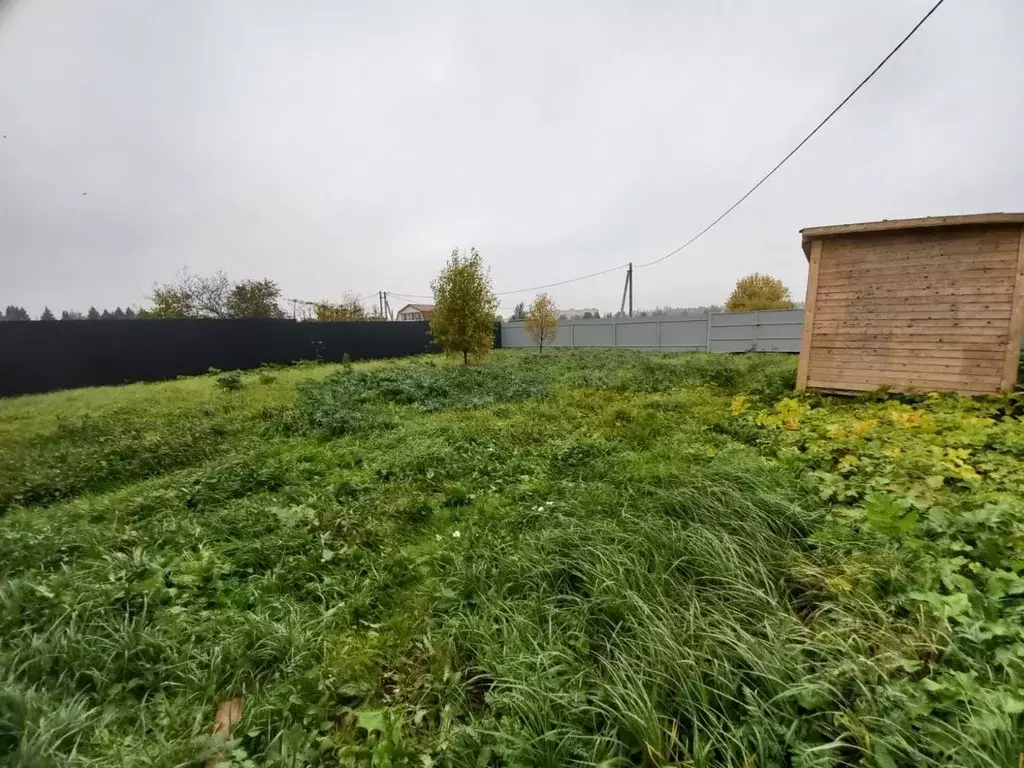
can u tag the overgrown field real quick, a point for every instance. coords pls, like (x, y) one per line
(604, 558)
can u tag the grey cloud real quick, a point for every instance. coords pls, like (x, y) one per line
(348, 147)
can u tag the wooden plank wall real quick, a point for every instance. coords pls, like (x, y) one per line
(923, 310)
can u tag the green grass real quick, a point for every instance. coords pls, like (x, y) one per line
(599, 558)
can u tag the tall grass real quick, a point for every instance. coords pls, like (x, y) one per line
(643, 623)
(569, 559)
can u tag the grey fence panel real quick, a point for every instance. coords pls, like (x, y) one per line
(563, 336)
(515, 335)
(767, 331)
(776, 330)
(689, 335)
(780, 317)
(791, 331)
(783, 338)
(731, 332)
(720, 319)
(643, 334)
(777, 345)
(597, 334)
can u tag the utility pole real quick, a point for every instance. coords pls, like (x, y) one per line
(627, 290)
(380, 303)
(629, 276)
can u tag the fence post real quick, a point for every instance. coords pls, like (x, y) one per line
(707, 346)
(572, 335)
(657, 337)
(756, 321)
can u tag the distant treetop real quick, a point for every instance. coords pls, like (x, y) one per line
(757, 291)
(191, 295)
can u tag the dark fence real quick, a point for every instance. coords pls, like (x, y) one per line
(43, 356)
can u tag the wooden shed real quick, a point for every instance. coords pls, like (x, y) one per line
(914, 304)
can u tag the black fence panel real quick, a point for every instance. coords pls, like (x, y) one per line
(43, 356)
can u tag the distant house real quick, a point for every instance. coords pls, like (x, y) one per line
(412, 312)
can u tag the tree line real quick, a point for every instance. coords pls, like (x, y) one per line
(217, 296)
(13, 312)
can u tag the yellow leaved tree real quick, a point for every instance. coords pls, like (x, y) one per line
(542, 320)
(758, 291)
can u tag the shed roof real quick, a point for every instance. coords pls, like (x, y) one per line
(895, 225)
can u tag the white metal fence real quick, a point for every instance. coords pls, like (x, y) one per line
(766, 331)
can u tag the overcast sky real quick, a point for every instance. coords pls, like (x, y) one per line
(348, 147)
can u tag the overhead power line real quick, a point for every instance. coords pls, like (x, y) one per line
(521, 290)
(797, 148)
(750, 191)
(562, 282)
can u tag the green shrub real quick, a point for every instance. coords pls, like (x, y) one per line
(230, 382)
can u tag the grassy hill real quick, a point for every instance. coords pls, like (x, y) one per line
(597, 558)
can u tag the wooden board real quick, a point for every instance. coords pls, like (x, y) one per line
(936, 286)
(913, 346)
(917, 228)
(1001, 302)
(987, 379)
(920, 311)
(970, 356)
(893, 241)
(921, 381)
(1012, 359)
(977, 276)
(850, 386)
(895, 253)
(808, 329)
(990, 375)
(918, 256)
(905, 325)
(969, 220)
(955, 289)
(853, 313)
(855, 269)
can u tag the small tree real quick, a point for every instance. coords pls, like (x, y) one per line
(92, 314)
(13, 312)
(118, 314)
(464, 307)
(542, 321)
(191, 295)
(129, 314)
(519, 312)
(47, 314)
(254, 298)
(758, 291)
(72, 315)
